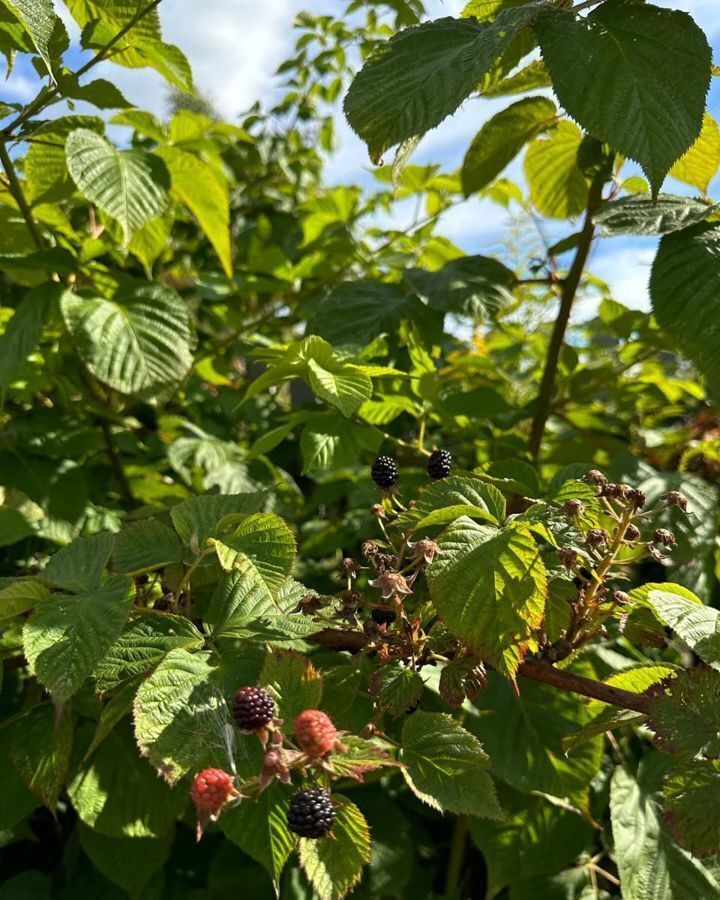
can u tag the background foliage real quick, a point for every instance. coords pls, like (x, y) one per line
(203, 347)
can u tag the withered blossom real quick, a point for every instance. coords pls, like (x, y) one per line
(425, 549)
(391, 583)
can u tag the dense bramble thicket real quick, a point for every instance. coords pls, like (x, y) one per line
(323, 543)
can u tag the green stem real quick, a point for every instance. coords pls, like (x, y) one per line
(567, 296)
(16, 191)
(116, 465)
(457, 856)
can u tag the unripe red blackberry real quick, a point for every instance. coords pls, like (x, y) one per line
(315, 733)
(253, 708)
(311, 813)
(384, 471)
(439, 464)
(211, 789)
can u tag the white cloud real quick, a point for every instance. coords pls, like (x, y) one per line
(626, 268)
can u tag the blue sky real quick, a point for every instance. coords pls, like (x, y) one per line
(234, 49)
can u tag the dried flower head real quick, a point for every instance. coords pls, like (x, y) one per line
(675, 498)
(425, 549)
(568, 556)
(391, 584)
(665, 537)
(597, 538)
(573, 507)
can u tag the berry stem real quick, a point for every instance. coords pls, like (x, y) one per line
(457, 856)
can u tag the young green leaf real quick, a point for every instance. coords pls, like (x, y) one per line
(264, 543)
(293, 680)
(40, 750)
(557, 186)
(700, 164)
(501, 138)
(129, 185)
(259, 828)
(140, 341)
(39, 20)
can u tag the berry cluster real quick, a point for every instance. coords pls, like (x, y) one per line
(311, 813)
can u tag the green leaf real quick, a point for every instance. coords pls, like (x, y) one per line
(81, 565)
(204, 191)
(697, 625)
(197, 519)
(446, 766)
(22, 332)
(335, 866)
(355, 312)
(650, 865)
(421, 76)
(294, 682)
(453, 497)
(128, 862)
(40, 751)
(396, 688)
(118, 794)
(523, 735)
(642, 215)
(359, 756)
(46, 172)
(700, 164)
(489, 587)
(557, 186)
(532, 77)
(141, 46)
(143, 644)
(140, 341)
(181, 716)
(67, 636)
(39, 21)
(101, 93)
(607, 718)
(501, 139)
(145, 545)
(685, 292)
(534, 838)
(340, 384)
(686, 718)
(16, 801)
(692, 806)
(645, 91)
(129, 185)
(14, 526)
(328, 442)
(264, 543)
(259, 828)
(19, 596)
(239, 600)
(476, 286)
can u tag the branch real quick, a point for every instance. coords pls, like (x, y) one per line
(567, 296)
(536, 669)
(16, 191)
(539, 670)
(50, 95)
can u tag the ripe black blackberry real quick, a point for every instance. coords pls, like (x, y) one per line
(253, 708)
(384, 471)
(439, 464)
(311, 813)
(382, 616)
